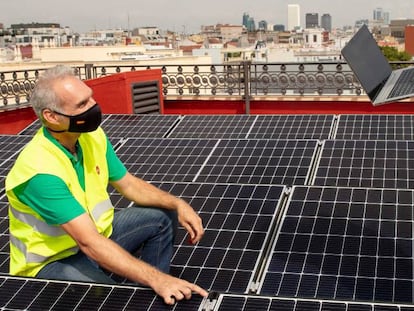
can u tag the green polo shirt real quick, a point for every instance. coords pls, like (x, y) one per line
(49, 196)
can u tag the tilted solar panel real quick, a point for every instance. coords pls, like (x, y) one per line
(375, 127)
(344, 244)
(134, 125)
(208, 126)
(33, 294)
(165, 159)
(237, 221)
(256, 161)
(228, 302)
(292, 127)
(364, 163)
(256, 127)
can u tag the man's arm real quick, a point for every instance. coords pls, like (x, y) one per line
(112, 257)
(145, 194)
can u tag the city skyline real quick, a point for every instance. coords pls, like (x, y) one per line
(188, 16)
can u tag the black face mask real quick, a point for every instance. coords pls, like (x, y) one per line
(86, 121)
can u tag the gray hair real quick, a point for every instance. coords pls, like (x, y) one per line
(44, 93)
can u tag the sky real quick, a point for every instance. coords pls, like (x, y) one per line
(187, 16)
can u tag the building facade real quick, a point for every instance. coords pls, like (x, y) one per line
(293, 16)
(312, 20)
(326, 22)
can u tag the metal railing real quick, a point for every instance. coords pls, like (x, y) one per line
(244, 79)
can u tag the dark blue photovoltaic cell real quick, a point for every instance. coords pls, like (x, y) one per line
(345, 244)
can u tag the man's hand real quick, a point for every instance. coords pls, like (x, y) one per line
(172, 289)
(190, 220)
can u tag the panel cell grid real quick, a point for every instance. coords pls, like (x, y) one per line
(292, 127)
(210, 126)
(228, 302)
(165, 159)
(140, 126)
(10, 145)
(32, 294)
(284, 162)
(378, 164)
(344, 244)
(376, 127)
(237, 219)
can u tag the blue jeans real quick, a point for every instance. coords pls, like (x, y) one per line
(147, 231)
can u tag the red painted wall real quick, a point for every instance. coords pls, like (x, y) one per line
(284, 107)
(14, 121)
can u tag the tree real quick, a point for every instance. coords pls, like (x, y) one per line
(393, 55)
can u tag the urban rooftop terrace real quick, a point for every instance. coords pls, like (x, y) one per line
(305, 189)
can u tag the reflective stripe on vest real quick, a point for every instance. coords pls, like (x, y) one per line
(101, 208)
(31, 257)
(42, 227)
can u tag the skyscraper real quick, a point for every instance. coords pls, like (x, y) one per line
(293, 16)
(377, 14)
(312, 20)
(326, 22)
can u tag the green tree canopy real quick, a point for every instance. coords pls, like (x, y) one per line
(392, 54)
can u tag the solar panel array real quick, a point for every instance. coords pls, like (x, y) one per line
(301, 212)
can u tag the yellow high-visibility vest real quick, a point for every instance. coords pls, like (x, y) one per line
(34, 243)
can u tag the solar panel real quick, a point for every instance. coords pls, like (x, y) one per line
(208, 126)
(237, 221)
(165, 159)
(284, 162)
(292, 127)
(258, 127)
(353, 163)
(376, 127)
(231, 302)
(344, 244)
(133, 125)
(32, 294)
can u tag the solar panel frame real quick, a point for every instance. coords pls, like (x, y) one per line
(350, 244)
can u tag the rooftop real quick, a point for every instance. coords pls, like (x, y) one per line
(303, 211)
